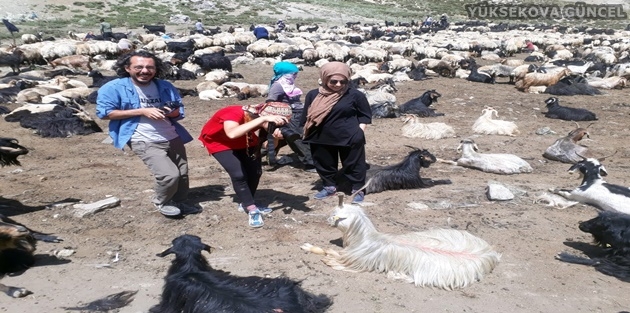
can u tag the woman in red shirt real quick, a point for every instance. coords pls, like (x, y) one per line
(232, 137)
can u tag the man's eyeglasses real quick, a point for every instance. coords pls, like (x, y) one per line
(335, 82)
(139, 68)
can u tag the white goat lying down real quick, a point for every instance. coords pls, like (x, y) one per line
(488, 126)
(498, 163)
(413, 128)
(443, 258)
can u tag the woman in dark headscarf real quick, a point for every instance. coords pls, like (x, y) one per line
(334, 127)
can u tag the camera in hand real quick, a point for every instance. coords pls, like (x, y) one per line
(171, 105)
(271, 128)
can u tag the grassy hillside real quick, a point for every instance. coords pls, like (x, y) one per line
(56, 18)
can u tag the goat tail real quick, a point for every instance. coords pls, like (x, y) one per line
(364, 187)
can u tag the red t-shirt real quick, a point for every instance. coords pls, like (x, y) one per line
(213, 135)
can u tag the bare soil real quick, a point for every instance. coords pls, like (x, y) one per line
(528, 278)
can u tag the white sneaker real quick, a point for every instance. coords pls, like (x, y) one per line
(264, 211)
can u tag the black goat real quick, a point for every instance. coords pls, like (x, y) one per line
(193, 286)
(555, 110)
(154, 29)
(12, 60)
(10, 150)
(609, 230)
(60, 121)
(417, 73)
(180, 46)
(17, 245)
(98, 79)
(404, 175)
(476, 76)
(212, 61)
(420, 106)
(571, 86)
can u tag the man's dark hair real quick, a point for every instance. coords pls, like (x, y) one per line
(102, 20)
(125, 60)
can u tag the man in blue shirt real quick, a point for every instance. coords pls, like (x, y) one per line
(143, 112)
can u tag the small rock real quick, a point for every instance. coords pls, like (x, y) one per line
(498, 192)
(418, 206)
(63, 253)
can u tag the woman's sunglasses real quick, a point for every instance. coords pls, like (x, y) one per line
(335, 82)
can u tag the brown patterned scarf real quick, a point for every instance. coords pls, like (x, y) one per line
(326, 98)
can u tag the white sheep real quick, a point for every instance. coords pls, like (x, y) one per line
(607, 83)
(413, 128)
(486, 125)
(211, 94)
(103, 64)
(443, 258)
(499, 163)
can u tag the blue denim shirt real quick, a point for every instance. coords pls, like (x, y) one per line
(120, 94)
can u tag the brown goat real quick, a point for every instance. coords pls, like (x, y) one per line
(73, 61)
(541, 79)
(17, 245)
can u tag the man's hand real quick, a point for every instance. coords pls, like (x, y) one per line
(154, 113)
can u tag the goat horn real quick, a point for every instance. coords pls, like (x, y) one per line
(576, 124)
(340, 205)
(581, 156)
(165, 252)
(412, 147)
(589, 125)
(608, 156)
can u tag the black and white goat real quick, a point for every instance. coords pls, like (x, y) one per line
(594, 190)
(420, 106)
(10, 150)
(555, 110)
(17, 247)
(403, 175)
(480, 77)
(609, 230)
(193, 286)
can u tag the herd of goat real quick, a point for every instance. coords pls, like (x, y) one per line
(569, 61)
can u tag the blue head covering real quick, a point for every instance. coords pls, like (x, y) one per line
(282, 68)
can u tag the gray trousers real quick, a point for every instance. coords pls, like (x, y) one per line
(168, 162)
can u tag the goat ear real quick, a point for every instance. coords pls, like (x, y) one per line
(459, 148)
(602, 171)
(165, 252)
(475, 147)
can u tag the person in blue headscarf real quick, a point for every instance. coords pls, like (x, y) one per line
(282, 88)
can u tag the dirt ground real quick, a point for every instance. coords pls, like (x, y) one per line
(528, 278)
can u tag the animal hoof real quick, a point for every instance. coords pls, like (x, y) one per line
(18, 292)
(313, 249)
